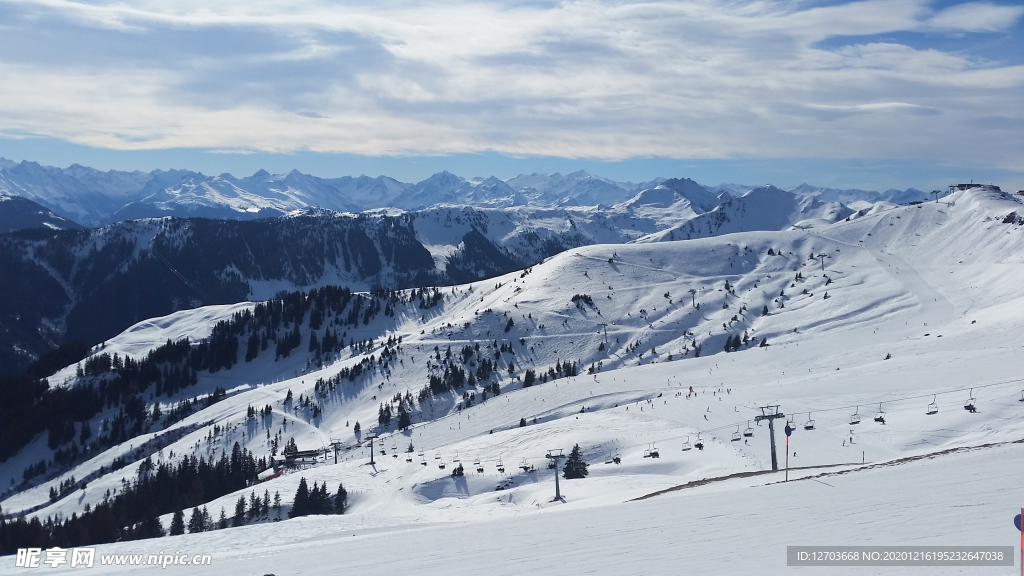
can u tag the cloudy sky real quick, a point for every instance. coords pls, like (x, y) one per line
(867, 94)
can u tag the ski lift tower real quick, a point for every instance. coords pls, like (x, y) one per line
(336, 446)
(822, 257)
(555, 456)
(373, 437)
(770, 413)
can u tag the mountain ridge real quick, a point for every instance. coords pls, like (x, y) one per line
(92, 197)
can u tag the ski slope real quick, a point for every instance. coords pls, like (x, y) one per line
(935, 287)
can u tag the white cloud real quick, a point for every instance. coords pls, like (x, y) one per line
(976, 17)
(702, 79)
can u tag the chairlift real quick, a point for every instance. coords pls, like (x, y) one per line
(456, 459)
(617, 459)
(809, 425)
(699, 445)
(880, 417)
(933, 408)
(437, 456)
(969, 405)
(501, 466)
(652, 452)
(1021, 396)
(855, 417)
(408, 458)
(476, 461)
(479, 469)
(686, 445)
(736, 436)
(748, 432)
(441, 465)
(423, 460)
(525, 467)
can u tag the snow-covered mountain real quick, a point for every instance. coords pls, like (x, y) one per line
(613, 348)
(762, 208)
(91, 278)
(853, 195)
(17, 213)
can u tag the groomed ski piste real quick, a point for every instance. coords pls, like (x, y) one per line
(924, 307)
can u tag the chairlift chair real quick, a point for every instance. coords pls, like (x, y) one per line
(809, 425)
(855, 417)
(933, 408)
(501, 466)
(699, 445)
(748, 432)
(524, 465)
(1021, 396)
(686, 445)
(880, 417)
(969, 405)
(617, 459)
(408, 458)
(441, 465)
(736, 436)
(423, 460)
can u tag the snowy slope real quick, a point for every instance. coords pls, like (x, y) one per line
(17, 213)
(936, 286)
(763, 208)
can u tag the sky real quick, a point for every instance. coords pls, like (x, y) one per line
(871, 94)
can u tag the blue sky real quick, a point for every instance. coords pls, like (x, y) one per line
(872, 94)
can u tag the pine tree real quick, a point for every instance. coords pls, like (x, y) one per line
(341, 499)
(575, 466)
(195, 522)
(764, 311)
(300, 507)
(522, 422)
(178, 523)
(222, 523)
(239, 518)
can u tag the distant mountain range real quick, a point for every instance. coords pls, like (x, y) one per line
(93, 198)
